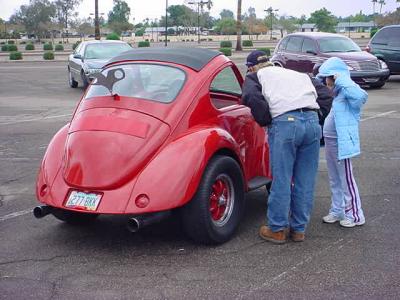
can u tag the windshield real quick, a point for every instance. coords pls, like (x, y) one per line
(338, 45)
(146, 81)
(106, 50)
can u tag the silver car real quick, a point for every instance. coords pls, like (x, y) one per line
(90, 57)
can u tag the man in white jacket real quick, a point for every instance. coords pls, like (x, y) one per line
(285, 101)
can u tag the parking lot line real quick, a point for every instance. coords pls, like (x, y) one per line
(36, 119)
(379, 115)
(15, 214)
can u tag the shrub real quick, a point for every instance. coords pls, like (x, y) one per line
(225, 44)
(22, 43)
(226, 51)
(49, 55)
(29, 47)
(4, 48)
(210, 39)
(15, 55)
(247, 43)
(60, 42)
(48, 47)
(144, 44)
(74, 45)
(10, 42)
(372, 32)
(2, 43)
(266, 50)
(112, 36)
(59, 47)
(12, 48)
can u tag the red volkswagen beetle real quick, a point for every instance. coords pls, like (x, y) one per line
(158, 130)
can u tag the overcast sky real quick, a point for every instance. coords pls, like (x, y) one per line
(141, 9)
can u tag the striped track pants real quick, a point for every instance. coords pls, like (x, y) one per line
(345, 197)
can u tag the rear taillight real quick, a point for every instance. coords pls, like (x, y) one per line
(368, 48)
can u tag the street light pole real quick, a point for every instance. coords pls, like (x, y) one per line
(199, 3)
(270, 10)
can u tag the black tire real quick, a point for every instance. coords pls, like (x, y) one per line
(74, 218)
(85, 81)
(71, 81)
(201, 222)
(377, 85)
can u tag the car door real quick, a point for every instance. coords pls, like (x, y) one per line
(309, 55)
(75, 64)
(225, 96)
(293, 54)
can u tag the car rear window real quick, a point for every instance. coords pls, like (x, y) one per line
(106, 50)
(145, 81)
(338, 44)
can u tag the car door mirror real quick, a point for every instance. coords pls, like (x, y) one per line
(78, 56)
(311, 52)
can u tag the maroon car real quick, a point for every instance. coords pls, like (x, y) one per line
(301, 51)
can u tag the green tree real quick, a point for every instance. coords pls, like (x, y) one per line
(118, 17)
(36, 17)
(226, 14)
(65, 10)
(287, 24)
(324, 20)
(226, 26)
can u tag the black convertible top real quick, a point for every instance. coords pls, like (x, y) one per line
(194, 58)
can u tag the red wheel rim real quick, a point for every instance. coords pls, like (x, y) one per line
(221, 200)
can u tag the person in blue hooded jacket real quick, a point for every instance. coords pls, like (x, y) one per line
(342, 142)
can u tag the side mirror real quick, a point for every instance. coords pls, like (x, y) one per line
(78, 56)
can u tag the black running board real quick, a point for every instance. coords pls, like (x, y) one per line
(258, 182)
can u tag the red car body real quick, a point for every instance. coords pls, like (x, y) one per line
(142, 156)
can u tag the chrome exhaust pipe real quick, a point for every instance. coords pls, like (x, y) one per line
(41, 211)
(134, 224)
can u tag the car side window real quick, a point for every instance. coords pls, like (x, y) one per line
(308, 46)
(283, 44)
(394, 36)
(381, 37)
(294, 44)
(225, 89)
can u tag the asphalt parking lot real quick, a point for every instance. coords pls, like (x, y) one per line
(46, 259)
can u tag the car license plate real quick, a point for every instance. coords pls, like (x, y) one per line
(83, 201)
(371, 79)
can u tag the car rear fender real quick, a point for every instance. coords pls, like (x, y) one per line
(51, 163)
(171, 179)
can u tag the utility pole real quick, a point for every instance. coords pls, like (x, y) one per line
(166, 22)
(199, 3)
(271, 11)
(96, 20)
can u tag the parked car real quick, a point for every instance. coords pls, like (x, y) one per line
(385, 45)
(158, 130)
(301, 51)
(89, 57)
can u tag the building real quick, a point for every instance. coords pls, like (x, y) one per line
(308, 27)
(354, 27)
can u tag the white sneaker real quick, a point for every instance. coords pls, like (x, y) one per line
(350, 223)
(331, 219)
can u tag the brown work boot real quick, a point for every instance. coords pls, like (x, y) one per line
(297, 236)
(267, 234)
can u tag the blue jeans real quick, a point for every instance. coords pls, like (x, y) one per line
(294, 154)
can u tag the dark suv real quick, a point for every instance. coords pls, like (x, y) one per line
(301, 51)
(386, 46)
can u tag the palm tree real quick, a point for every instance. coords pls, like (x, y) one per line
(239, 27)
(381, 3)
(374, 3)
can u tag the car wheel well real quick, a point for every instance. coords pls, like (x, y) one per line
(277, 64)
(228, 152)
